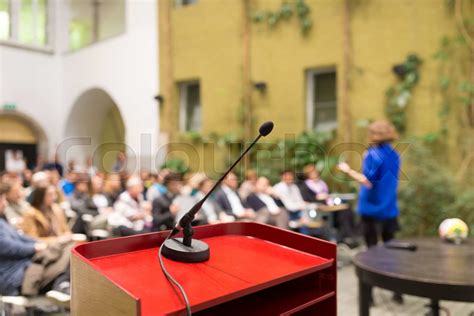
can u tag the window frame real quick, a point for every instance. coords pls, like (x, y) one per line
(13, 39)
(95, 31)
(310, 98)
(183, 96)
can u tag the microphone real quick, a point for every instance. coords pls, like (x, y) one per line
(186, 220)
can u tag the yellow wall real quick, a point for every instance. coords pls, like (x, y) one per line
(13, 130)
(207, 45)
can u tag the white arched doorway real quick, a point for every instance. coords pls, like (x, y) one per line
(22, 134)
(94, 128)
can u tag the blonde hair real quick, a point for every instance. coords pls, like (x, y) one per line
(382, 131)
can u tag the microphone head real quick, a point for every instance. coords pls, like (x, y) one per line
(266, 128)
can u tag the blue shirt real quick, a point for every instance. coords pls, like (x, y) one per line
(67, 187)
(381, 166)
(16, 252)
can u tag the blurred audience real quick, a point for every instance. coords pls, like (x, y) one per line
(47, 207)
(15, 163)
(131, 214)
(55, 164)
(45, 220)
(267, 206)
(164, 211)
(112, 187)
(248, 186)
(211, 210)
(289, 194)
(17, 205)
(313, 188)
(21, 257)
(157, 187)
(229, 200)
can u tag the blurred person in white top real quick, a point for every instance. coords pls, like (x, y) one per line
(15, 162)
(132, 214)
(289, 193)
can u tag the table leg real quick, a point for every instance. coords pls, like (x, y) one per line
(365, 291)
(434, 305)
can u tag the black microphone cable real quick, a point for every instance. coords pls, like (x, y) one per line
(173, 280)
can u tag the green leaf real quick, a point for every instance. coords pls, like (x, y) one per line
(445, 40)
(466, 86)
(258, 16)
(286, 10)
(431, 137)
(444, 82)
(459, 40)
(441, 55)
(272, 19)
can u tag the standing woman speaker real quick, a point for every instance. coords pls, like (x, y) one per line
(379, 181)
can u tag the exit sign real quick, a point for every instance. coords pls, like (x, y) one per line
(9, 107)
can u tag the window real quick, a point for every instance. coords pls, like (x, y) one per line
(4, 20)
(32, 23)
(95, 20)
(25, 22)
(321, 100)
(190, 106)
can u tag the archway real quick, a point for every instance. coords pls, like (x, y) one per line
(22, 134)
(94, 128)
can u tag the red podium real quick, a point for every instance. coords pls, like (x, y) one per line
(254, 269)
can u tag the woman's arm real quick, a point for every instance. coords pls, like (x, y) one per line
(359, 177)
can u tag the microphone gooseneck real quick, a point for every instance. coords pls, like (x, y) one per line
(264, 130)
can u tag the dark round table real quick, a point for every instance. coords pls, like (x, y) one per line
(437, 270)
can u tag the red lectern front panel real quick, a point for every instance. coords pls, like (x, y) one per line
(240, 265)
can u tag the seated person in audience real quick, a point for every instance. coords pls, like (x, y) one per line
(289, 194)
(90, 204)
(229, 200)
(313, 188)
(113, 186)
(164, 211)
(68, 184)
(55, 179)
(132, 214)
(17, 205)
(248, 186)
(157, 188)
(77, 205)
(211, 211)
(192, 185)
(39, 180)
(45, 220)
(99, 202)
(17, 254)
(186, 198)
(266, 205)
(145, 176)
(27, 178)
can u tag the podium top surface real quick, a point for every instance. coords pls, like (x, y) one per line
(239, 264)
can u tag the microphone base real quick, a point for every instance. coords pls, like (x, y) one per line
(175, 250)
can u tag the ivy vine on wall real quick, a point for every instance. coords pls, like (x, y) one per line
(285, 12)
(400, 94)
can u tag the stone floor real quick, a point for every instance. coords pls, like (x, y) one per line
(348, 304)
